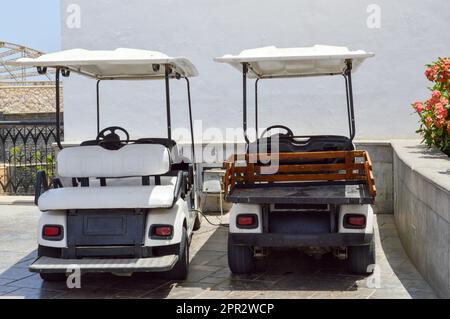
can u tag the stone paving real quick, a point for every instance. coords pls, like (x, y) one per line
(284, 274)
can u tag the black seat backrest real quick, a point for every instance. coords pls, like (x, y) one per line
(170, 144)
(305, 144)
(89, 143)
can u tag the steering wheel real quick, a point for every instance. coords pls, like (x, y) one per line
(289, 132)
(110, 139)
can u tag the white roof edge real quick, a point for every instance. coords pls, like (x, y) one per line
(272, 53)
(237, 59)
(117, 63)
(284, 62)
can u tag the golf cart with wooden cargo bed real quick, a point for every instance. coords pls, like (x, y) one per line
(117, 205)
(319, 197)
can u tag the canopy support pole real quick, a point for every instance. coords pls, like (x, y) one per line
(98, 107)
(169, 120)
(194, 159)
(257, 108)
(348, 106)
(245, 71)
(257, 114)
(58, 109)
(191, 121)
(350, 99)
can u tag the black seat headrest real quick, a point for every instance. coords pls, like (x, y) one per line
(170, 144)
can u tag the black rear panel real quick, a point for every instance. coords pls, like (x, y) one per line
(299, 223)
(105, 229)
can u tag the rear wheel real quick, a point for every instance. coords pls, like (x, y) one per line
(181, 269)
(360, 258)
(241, 259)
(53, 277)
(49, 252)
(53, 253)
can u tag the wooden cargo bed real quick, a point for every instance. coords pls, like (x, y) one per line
(347, 180)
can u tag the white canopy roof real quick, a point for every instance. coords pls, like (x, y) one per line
(272, 62)
(116, 64)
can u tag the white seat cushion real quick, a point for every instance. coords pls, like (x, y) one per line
(118, 197)
(130, 161)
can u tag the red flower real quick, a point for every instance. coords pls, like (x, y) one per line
(441, 111)
(428, 122)
(436, 95)
(439, 123)
(430, 73)
(418, 106)
(430, 104)
(446, 64)
(448, 128)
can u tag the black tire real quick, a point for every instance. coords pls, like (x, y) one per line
(360, 258)
(53, 253)
(53, 277)
(241, 259)
(181, 269)
(198, 222)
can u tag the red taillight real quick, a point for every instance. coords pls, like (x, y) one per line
(245, 220)
(355, 221)
(52, 231)
(162, 231)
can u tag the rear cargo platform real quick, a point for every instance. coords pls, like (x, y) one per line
(333, 178)
(318, 193)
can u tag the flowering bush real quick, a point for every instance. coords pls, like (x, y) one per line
(435, 112)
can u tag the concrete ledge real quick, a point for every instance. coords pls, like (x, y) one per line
(422, 210)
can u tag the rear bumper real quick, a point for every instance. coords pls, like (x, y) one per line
(57, 265)
(287, 240)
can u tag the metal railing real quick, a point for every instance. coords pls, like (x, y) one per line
(26, 147)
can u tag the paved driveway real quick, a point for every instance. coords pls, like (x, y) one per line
(286, 274)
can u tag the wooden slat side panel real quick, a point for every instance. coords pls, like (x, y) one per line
(313, 155)
(368, 160)
(315, 168)
(370, 180)
(369, 173)
(305, 178)
(251, 173)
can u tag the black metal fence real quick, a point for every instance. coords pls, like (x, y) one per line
(26, 147)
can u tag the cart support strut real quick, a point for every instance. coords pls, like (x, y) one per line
(58, 109)
(98, 107)
(349, 94)
(350, 101)
(191, 121)
(169, 121)
(245, 71)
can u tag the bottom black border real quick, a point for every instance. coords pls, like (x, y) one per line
(217, 308)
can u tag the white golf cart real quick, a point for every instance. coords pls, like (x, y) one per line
(319, 199)
(117, 205)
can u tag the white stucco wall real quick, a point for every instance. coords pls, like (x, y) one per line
(412, 33)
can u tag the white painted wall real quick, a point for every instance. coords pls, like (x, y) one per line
(412, 33)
